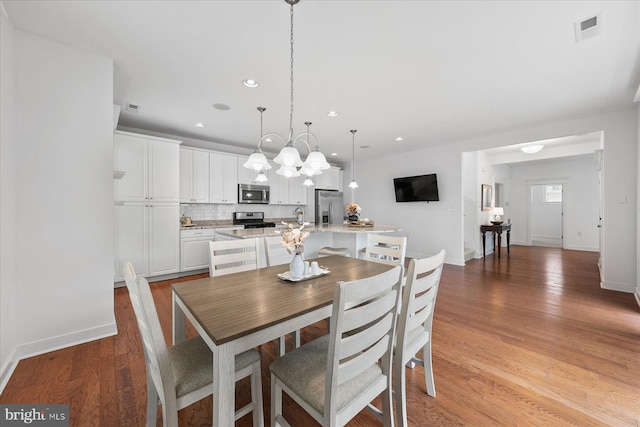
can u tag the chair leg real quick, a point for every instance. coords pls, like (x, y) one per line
(276, 401)
(400, 393)
(387, 408)
(152, 403)
(428, 370)
(256, 395)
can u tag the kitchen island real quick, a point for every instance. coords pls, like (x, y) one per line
(335, 235)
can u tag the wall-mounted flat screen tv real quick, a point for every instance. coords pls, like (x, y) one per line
(421, 188)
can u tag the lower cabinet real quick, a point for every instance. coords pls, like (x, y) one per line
(194, 248)
(147, 235)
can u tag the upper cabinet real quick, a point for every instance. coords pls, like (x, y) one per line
(331, 179)
(150, 166)
(223, 178)
(297, 191)
(245, 176)
(194, 176)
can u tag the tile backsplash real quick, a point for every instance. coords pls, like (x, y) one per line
(204, 212)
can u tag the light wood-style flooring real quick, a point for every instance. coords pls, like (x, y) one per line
(528, 340)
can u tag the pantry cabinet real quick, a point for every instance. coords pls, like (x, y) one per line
(150, 166)
(194, 176)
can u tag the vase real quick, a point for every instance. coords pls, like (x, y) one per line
(353, 218)
(296, 267)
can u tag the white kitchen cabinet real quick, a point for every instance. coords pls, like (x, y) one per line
(331, 179)
(194, 248)
(297, 191)
(151, 167)
(278, 186)
(223, 178)
(194, 176)
(147, 235)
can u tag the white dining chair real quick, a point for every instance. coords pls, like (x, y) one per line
(386, 249)
(232, 256)
(334, 377)
(415, 325)
(278, 255)
(181, 375)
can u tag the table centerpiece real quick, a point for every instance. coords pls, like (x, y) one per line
(293, 240)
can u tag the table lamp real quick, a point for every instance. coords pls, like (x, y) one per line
(497, 212)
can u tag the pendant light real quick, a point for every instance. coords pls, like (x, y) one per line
(353, 183)
(258, 161)
(289, 157)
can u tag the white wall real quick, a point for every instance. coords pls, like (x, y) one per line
(580, 179)
(439, 225)
(64, 186)
(8, 222)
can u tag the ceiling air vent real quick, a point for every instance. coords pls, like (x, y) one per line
(132, 108)
(588, 28)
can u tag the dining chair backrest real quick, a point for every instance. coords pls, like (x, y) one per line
(386, 249)
(362, 331)
(155, 347)
(415, 325)
(276, 253)
(232, 256)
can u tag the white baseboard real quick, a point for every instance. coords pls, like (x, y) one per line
(36, 348)
(615, 286)
(7, 369)
(582, 248)
(636, 294)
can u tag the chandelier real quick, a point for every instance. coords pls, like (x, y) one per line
(291, 164)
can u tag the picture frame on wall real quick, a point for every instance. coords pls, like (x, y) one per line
(486, 197)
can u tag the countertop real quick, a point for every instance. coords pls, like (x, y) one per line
(331, 228)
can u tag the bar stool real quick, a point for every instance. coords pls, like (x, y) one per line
(328, 250)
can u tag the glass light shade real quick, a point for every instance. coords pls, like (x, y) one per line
(353, 184)
(306, 170)
(258, 162)
(288, 171)
(533, 148)
(288, 156)
(317, 161)
(308, 182)
(261, 177)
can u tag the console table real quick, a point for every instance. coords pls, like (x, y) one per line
(495, 229)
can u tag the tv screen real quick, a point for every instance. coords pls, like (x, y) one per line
(421, 188)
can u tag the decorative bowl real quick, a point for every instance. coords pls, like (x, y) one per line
(496, 222)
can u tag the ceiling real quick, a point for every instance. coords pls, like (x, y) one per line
(431, 72)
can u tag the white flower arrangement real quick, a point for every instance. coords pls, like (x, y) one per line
(353, 208)
(293, 238)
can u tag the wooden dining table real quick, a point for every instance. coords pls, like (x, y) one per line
(239, 311)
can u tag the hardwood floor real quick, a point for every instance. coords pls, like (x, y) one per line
(530, 339)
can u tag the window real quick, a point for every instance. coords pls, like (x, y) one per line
(553, 193)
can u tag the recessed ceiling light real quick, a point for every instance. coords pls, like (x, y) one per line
(399, 139)
(334, 154)
(223, 107)
(332, 114)
(250, 83)
(268, 140)
(200, 125)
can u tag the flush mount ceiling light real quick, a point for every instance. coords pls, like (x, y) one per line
(532, 148)
(250, 83)
(353, 183)
(332, 114)
(289, 157)
(399, 139)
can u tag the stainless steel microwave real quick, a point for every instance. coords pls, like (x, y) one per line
(257, 194)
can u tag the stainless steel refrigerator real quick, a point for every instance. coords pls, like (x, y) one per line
(329, 207)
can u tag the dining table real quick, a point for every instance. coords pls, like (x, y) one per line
(240, 311)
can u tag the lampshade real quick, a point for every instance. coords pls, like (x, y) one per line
(257, 161)
(288, 171)
(498, 211)
(316, 161)
(261, 177)
(288, 156)
(353, 184)
(532, 148)
(308, 182)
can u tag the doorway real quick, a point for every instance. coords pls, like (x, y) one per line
(546, 210)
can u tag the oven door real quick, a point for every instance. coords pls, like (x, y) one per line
(257, 194)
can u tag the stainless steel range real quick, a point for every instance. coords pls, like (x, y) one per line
(251, 220)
